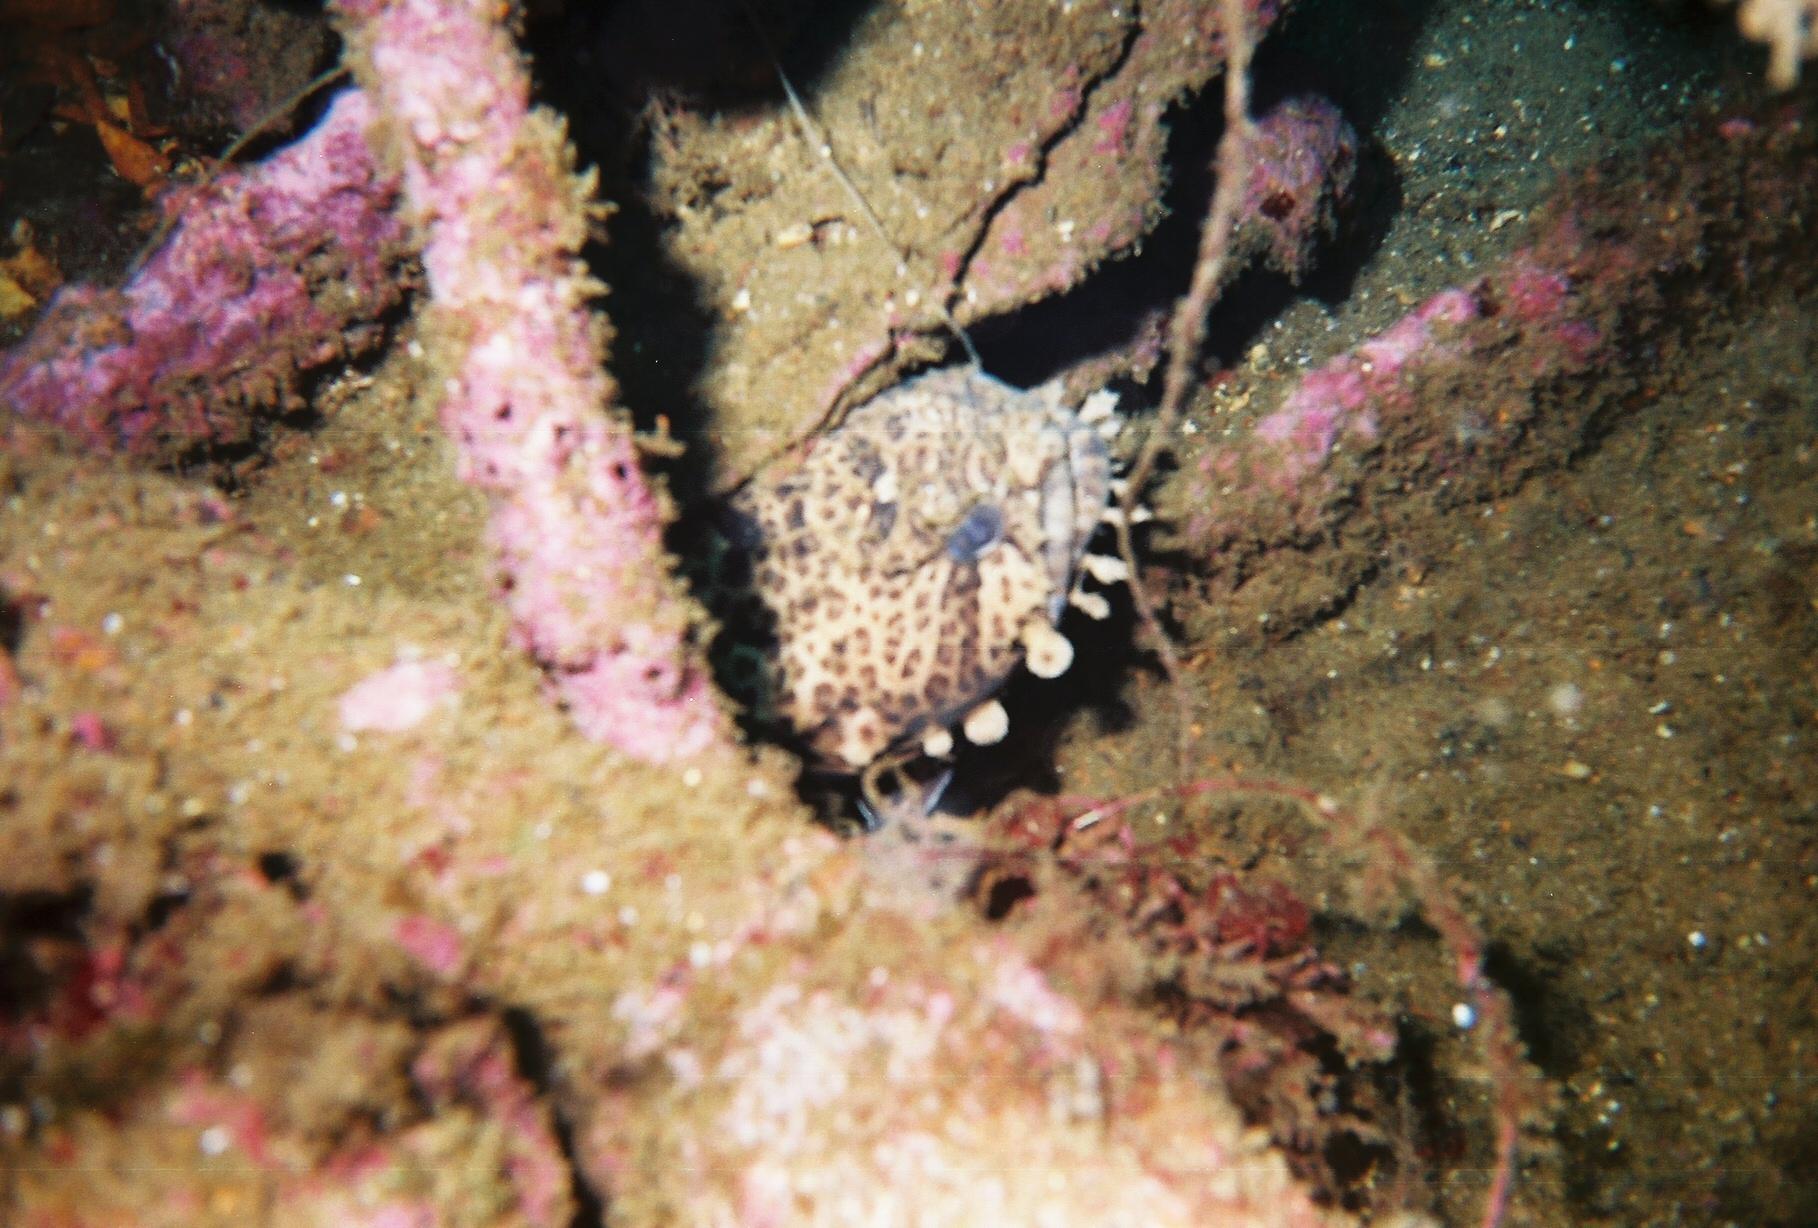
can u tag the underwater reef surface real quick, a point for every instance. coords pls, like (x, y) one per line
(377, 847)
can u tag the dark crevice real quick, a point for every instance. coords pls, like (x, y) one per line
(535, 1062)
(27, 918)
(284, 869)
(12, 625)
(1132, 293)
(990, 212)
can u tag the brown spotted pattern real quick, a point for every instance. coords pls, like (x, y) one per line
(902, 556)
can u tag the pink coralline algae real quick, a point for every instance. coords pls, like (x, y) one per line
(488, 182)
(270, 271)
(1302, 157)
(987, 1099)
(472, 1063)
(1486, 382)
(431, 943)
(398, 698)
(1342, 396)
(206, 1149)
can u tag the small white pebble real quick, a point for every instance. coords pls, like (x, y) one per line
(1566, 699)
(595, 882)
(351, 580)
(691, 778)
(1464, 1016)
(1696, 940)
(214, 1140)
(112, 624)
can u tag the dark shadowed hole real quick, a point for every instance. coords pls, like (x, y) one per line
(1005, 894)
(278, 867)
(535, 1061)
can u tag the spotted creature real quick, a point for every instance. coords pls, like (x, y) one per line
(918, 552)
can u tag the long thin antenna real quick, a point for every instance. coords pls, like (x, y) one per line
(234, 148)
(817, 139)
(1187, 331)
(280, 109)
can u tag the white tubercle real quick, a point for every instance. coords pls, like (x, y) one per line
(1046, 651)
(1092, 605)
(986, 724)
(1138, 515)
(937, 742)
(1105, 568)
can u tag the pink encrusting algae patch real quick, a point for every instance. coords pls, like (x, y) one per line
(1342, 396)
(269, 271)
(398, 698)
(1303, 156)
(576, 525)
(434, 944)
(921, 1101)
